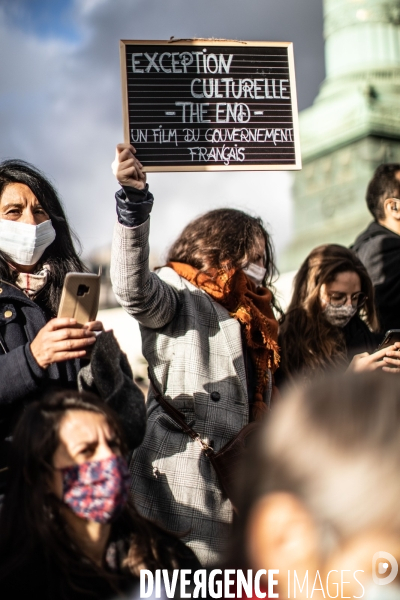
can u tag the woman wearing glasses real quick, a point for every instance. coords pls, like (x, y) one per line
(331, 319)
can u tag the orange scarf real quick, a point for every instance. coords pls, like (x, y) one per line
(251, 306)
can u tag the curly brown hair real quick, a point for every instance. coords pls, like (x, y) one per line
(308, 341)
(223, 238)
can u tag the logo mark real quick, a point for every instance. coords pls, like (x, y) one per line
(384, 568)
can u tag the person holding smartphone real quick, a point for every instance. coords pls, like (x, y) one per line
(38, 351)
(331, 320)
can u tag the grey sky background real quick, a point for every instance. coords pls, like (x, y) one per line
(60, 102)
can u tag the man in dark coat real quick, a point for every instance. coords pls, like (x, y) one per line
(379, 245)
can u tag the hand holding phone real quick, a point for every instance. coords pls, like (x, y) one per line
(386, 358)
(62, 339)
(391, 337)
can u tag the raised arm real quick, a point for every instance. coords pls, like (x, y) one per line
(142, 293)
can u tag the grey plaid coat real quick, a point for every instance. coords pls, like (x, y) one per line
(193, 348)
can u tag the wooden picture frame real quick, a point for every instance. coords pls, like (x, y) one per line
(157, 83)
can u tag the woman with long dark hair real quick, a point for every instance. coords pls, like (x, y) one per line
(331, 319)
(210, 338)
(67, 528)
(37, 350)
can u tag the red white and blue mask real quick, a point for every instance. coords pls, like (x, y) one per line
(97, 490)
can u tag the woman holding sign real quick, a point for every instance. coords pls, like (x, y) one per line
(210, 338)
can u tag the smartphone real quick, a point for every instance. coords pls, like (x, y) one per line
(391, 336)
(80, 297)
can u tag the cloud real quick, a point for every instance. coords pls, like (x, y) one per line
(60, 104)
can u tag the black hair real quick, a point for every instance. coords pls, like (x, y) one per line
(382, 186)
(33, 529)
(61, 255)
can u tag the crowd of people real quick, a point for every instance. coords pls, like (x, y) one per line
(263, 433)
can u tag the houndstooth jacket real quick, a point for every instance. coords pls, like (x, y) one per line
(193, 348)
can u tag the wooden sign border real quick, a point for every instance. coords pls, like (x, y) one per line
(214, 42)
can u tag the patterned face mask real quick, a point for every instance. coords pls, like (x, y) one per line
(97, 490)
(339, 315)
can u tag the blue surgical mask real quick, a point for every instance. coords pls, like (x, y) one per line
(25, 243)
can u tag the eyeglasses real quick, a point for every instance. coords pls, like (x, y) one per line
(340, 298)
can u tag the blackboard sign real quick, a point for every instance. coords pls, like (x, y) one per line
(195, 105)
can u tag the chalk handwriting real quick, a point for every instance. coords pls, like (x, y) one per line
(178, 62)
(227, 87)
(216, 153)
(194, 112)
(159, 136)
(258, 135)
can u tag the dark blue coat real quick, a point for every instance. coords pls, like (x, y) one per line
(21, 378)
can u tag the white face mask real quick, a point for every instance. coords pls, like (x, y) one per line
(256, 273)
(25, 243)
(339, 315)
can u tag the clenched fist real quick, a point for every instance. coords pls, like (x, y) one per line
(126, 167)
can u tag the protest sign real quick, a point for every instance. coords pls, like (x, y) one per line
(194, 105)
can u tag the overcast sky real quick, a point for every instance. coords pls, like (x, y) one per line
(60, 101)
